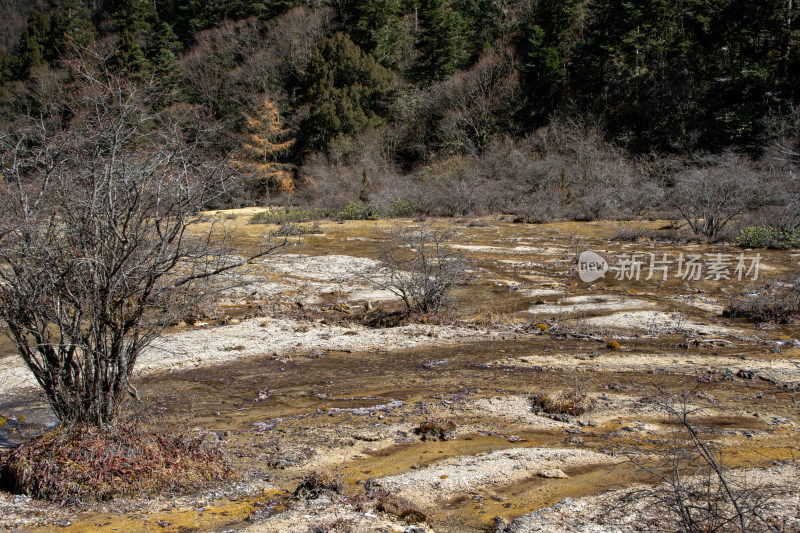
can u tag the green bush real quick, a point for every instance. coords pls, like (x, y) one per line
(400, 207)
(281, 217)
(292, 229)
(358, 211)
(325, 213)
(768, 237)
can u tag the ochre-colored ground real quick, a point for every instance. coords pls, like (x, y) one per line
(306, 420)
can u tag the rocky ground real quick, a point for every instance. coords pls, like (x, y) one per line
(444, 417)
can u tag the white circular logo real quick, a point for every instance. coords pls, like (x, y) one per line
(591, 266)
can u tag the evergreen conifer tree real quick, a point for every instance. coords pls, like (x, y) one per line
(33, 45)
(345, 86)
(441, 44)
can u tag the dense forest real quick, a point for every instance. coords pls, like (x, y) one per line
(552, 108)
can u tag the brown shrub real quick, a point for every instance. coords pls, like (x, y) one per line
(437, 429)
(628, 234)
(716, 190)
(320, 483)
(74, 464)
(568, 403)
(771, 301)
(398, 506)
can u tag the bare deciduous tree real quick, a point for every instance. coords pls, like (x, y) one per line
(417, 265)
(789, 219)
(697, 491)
(96, 252)
(710, 196)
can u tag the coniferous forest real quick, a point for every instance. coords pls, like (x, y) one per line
(577, 109)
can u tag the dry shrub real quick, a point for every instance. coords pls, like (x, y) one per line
(711, 193)
(770, 301)
(320, 483)
(697, 492)
(398, 506)
(357, 169)
(79, 463)
(339, 525)
(540, 207)
(437, 429)
(416, 264)
(571, 402)
(493, 319)
(628, 234)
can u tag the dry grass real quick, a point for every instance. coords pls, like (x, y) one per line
(493, 319)
(75, 464)
(571, 402)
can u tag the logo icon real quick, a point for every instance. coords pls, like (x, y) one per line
(591, 266)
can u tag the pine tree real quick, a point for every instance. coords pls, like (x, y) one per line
(33, 45)
(139, 17)
(70, 26)
(441, 44)
(135, 21)
(481, 23)
(379, 28)
(5, 68)
(129, 56)
(550, 45)
(345, 86)
(164, 59)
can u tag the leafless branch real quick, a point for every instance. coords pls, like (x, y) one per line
(97, 255)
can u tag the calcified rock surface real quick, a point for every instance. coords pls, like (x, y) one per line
(293, 375)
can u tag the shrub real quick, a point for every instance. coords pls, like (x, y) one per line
(321, 483)
(712, 194)
(697, 492)
(103, 259)
(281, 217)
(400, 207)
(628, 234)
(771, 301)
(358, 211)
(398, 506)
(768, 237)
(437, 429)
(571, 402)
(291, 229)
(417, 265)
(78, 463)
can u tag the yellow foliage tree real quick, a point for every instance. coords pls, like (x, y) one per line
(263, 140)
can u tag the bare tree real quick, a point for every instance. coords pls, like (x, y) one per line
(710, 196)
(96, 252)
(417, 265)
(789, 219)
(697, 490)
